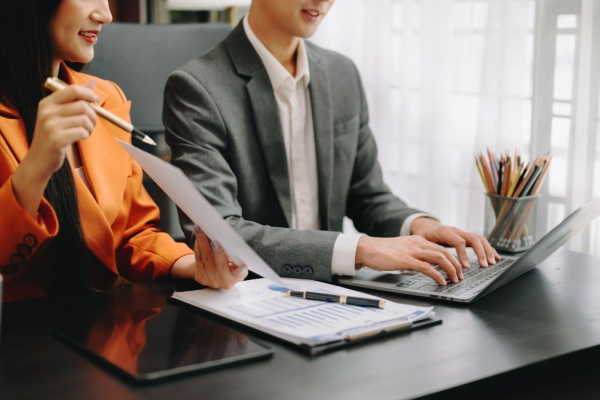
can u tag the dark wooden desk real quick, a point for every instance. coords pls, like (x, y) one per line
(538, 337)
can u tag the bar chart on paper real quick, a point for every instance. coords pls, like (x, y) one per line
(298, 313)
(260, 304)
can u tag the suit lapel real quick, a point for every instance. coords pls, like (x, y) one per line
(265, 114)
(107, 168)
(106, 165)
(13, 132)
(323, 128)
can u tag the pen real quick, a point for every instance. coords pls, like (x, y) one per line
(334, 298)
(55, 84)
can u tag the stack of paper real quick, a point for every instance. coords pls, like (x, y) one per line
(260, 304)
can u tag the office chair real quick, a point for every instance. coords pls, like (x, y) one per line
(139, 58)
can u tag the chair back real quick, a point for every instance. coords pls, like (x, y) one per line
(139, 58)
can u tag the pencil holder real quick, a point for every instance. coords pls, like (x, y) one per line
(508, 222)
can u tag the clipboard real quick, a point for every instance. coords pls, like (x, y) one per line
(313, 327)
(314, 350)
(328, 347)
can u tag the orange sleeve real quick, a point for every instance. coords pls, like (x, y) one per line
(147, 253)
(22, 235)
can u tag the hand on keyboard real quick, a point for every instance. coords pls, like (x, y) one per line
(436, 232)
(408, 253)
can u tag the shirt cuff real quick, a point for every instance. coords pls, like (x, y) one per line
(405, 228)
(344, 254)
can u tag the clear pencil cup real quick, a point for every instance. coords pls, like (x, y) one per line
(509, 222)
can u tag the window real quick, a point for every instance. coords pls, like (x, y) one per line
(448, 78)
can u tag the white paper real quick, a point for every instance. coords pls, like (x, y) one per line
(179, 188)
(261, 305)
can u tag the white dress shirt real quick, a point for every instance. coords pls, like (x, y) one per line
(295, 111)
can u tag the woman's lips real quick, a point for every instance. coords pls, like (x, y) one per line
(89, 36)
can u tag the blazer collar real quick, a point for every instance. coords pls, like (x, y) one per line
(101, 154)
(107, 168)
(320, 98)
(13, 132)
(248, 64)
(268, 124)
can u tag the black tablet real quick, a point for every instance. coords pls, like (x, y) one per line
(156, 343)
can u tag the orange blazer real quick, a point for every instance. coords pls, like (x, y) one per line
(119, 219)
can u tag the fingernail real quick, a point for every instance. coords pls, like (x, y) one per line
(97, 99)
(197, 230)
(242, 270)
(214, 244)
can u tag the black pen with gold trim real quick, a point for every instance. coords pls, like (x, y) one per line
(55, 84)
(334, 298)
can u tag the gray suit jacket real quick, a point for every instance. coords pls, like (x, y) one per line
(223, 127)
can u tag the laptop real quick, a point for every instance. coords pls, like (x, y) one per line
(477, 282)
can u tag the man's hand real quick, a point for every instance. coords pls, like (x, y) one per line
(436, 232)
(408, 253)
(424, 249)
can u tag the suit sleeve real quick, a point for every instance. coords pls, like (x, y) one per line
(198, 137)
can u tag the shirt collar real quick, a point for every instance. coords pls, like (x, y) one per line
(277, 73)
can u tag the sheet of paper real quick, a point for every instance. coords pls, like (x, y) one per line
(261, 305)
(179, 188)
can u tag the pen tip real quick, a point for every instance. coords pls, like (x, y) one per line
(148, 139)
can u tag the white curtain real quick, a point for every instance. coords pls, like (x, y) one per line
(444, 79)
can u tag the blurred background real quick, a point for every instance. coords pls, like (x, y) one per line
(446, 79)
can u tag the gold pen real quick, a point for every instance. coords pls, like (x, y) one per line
(55, 84)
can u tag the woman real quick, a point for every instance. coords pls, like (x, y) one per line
(75, 216)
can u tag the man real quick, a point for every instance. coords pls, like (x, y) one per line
(274, 132)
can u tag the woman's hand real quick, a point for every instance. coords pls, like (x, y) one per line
(63, 118)
(209, 266)
(213, 268)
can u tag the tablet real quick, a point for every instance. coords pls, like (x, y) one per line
(150, 344)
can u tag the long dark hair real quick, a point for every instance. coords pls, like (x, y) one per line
(25, 63)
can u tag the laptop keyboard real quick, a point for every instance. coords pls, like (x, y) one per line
(472, 278)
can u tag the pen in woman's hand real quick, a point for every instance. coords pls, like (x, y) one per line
(334, 298)
(55, 84)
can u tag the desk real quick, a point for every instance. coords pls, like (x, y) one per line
(539, 336)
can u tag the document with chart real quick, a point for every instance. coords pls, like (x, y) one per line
(314, 325)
